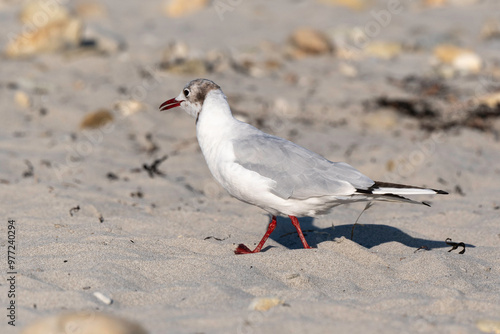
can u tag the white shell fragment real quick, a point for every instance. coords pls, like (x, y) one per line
(103, 298)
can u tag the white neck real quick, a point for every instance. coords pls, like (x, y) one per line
(215, 117)
(215, 125)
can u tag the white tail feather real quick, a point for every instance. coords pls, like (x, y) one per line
(403, 191)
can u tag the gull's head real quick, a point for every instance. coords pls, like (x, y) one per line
(192, 96)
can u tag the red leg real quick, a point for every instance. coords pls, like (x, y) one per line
(296, 223)
(242, 249)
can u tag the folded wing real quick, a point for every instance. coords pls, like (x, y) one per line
(296, 171)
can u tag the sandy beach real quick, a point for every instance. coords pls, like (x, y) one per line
(112, 209)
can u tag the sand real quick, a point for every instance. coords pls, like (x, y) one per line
(159, 247)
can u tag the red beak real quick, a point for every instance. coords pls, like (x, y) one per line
(172, 103)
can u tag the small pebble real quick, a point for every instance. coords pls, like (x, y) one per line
(32, 10)
(462, 60)
(129, 107)
(490, 100)
(22, 99)
(84, 323)
(178, 8)
(488, 326)
(264, 304)
(103, 298)
(348, 70)
(96, 119)
(383, 50)
(52, 37)
(90, 9)
(308, 41)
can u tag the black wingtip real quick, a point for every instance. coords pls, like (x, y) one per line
(378, 185)
(425, 203)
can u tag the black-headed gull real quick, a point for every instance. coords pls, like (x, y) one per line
(273, 173)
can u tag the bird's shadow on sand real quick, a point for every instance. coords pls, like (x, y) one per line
(366, 235)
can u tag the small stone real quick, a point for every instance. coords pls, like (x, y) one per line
(272, 64)
(352, 4)
(264, 304)
(383, 119)
(178, 8)
(488, 326)
(348, 70)
(383, 50)
(468, 63)
(447, 53)
(310, 41)
(490, 100)
(242, 118)
(283, 109)
(462, 60)
(103, 298)
(90, 9)
(389, 165)
(54, 36)
(84, 323)
(48, 27)
(22, 99)
(129, 107)
(40, 13)
(96, 119)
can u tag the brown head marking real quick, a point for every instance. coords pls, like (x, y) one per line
(198, 90)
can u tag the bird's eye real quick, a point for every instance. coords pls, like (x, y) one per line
(186, 92)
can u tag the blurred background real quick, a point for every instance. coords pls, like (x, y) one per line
(405, 90)
(350, 72)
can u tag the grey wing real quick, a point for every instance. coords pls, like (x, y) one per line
(297, 172)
